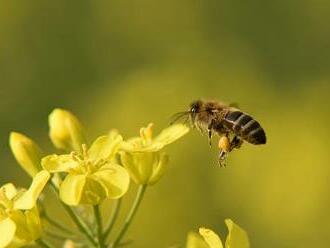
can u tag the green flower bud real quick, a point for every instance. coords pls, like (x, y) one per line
(26, 152)
(66, 132)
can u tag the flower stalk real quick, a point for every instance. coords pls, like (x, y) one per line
(44, 244)
(139, 196)
(83, 228)
(113, 218)
(81, 225)
(98, 219)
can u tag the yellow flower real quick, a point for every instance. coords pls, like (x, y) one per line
(91, 176)
(236, 238)
(65, 131)
(146, 143)
(26, 152)
(19, 218)
(141, 156)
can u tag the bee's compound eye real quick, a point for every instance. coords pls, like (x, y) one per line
(224, 144)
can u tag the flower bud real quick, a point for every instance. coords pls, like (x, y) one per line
(26, 152)
(66, 132)
(145, 168)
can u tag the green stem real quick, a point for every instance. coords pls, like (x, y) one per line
(131, 214)
(98, 219)
(80, 224)
(113, 218)
(42, 243)
(56, 224)
(56, 236)
(83, 228)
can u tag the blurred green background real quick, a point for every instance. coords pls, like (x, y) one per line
(122, 64)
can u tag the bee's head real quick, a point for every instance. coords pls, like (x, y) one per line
(195, 106)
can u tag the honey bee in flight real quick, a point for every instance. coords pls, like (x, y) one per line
(230, 123)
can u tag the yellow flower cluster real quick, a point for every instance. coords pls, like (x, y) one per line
(19, 218)
(82, 174)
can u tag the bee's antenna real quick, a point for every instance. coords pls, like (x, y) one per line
(176, 117)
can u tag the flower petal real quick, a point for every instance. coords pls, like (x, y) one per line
(10, 190)
(59, 163)
(7, 230)
(28, 199)
(33, 223)
(105, 146)
(22, 234)
(211, 238)
(71, 189)
(237, 237)
(159, 169)
(167, 136)
(195, 241)
(93, 192)
(171, 134)
(140, 165)
(136, 145)
(114, 179)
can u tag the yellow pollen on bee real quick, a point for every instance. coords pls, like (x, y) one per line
(224, 144)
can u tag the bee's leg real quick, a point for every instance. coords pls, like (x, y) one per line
(223, 154)
(209, 131)
(235, 143)
(222, 158)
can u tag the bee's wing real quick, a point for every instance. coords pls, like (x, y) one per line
(234, 105)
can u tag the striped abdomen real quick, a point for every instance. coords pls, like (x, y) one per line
(245, 127)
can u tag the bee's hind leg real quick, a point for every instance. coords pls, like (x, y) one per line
(222, 158)
(236, 142)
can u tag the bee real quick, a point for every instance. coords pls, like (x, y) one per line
(230, 123)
